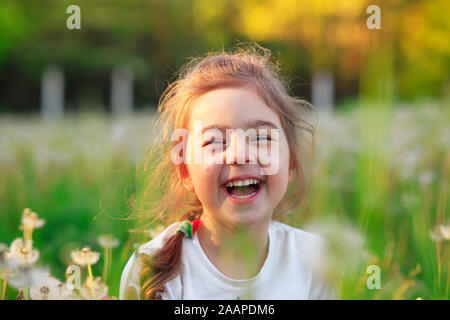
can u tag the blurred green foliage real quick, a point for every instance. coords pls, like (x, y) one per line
(382, 164)
(155, 37)
(386, 173)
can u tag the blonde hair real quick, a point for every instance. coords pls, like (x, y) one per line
(241, 67)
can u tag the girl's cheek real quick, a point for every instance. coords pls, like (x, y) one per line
(281, 177)
(210, 173)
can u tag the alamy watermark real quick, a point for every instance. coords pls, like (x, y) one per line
(73, 274)
(374, 280)
(374, 20)
(74, 20)
(211, 146)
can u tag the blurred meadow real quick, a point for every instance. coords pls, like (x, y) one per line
(378, 186)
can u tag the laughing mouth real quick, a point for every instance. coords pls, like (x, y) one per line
(243, 188)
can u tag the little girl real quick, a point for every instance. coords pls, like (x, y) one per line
(222, 241)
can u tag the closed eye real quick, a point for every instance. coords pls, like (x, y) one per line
(263, 138)
(258, 138)
(211, 141)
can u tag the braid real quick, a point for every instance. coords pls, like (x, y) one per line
(163, 265)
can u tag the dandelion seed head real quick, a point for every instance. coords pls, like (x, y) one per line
(95, 290)
(436, 234)
(21, 254)
(445, 232)
(3, 254)
(44, 289)
(28, 276)
(108, 241)
(52, 289)
(7, 262)
(85, 256)
(30, 220)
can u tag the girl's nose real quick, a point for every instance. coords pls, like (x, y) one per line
(238, 150)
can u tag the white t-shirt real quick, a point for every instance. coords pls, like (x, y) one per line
(288, 272)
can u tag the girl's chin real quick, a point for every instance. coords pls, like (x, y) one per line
(244, 217)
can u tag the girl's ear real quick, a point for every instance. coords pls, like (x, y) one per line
(185, 177)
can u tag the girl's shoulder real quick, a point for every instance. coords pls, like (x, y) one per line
(296, 236)
(156, 243)
(309, 250)
(130, 279)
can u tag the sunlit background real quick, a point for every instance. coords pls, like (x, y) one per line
(77, 109)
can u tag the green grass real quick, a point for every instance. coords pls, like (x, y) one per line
(385, 173)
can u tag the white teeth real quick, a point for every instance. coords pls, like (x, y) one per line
(240, 183)
(241, 197)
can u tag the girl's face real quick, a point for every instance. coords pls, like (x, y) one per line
(234, 188)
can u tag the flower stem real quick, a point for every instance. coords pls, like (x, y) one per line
(26, 293)
(438, 257)
(5, 281)
(28, 237)
(448, 282)
(105, 265)
(31, 237)
(91, 277)
(109, 260)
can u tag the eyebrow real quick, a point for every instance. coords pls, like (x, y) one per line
(249, 124)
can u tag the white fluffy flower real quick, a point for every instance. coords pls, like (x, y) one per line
(108, 241)
(7, 262)
(445, 232)
(27, 276)
(85, 256)
(95, 290)
(439, 233)
(19, 252)
(52, 289)
(30, 220)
